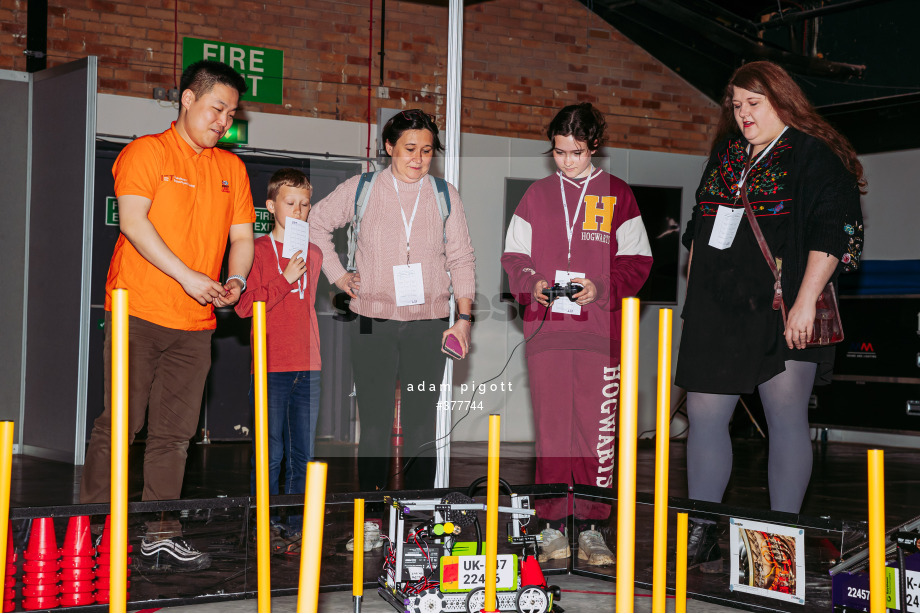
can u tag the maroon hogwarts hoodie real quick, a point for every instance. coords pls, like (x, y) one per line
(609, 246)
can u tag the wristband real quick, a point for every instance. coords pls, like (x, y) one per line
(242, 281)
(465, 316)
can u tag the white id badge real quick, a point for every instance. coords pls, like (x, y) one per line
(409, 287)
(727, 221)
(563, 304)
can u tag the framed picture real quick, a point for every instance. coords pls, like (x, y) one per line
(767, 560)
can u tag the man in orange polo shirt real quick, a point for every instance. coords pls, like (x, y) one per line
(179, 199)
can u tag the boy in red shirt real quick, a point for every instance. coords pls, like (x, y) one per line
(288, 288)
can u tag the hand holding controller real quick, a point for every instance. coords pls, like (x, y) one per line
(569, 290)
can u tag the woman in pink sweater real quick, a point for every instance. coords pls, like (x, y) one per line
(407, 259)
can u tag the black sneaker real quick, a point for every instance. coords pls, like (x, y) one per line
(171, 554)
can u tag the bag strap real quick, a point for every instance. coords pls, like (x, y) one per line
(443, 197)
(362, 197)
(778, 303)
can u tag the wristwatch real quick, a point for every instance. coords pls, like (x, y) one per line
(465, 316)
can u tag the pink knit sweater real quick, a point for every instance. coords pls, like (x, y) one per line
(382, 244)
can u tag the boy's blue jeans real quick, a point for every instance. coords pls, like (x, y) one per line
(293, 407)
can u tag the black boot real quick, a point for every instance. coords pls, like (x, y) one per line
(703, 546)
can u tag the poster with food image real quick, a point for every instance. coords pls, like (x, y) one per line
(767, 560)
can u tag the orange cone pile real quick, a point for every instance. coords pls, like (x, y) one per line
(103, 562)
(41, 568)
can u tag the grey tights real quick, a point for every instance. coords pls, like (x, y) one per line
(709, 447)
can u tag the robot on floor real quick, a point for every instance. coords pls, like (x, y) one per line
(429, 569)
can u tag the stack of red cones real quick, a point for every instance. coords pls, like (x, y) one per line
(40, 579)
(9, 583)
(103, 562)
(77, 562)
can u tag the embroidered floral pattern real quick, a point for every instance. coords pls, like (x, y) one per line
(767, 179)
(852, 256)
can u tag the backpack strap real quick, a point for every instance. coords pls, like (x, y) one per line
(362, 197)
(443, 198)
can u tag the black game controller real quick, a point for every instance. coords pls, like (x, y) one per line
(569, 290)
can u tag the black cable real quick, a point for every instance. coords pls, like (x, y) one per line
(469, 405)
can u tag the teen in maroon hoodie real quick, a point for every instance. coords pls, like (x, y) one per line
(580, 224)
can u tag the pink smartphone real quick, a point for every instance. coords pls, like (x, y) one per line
(452, 347)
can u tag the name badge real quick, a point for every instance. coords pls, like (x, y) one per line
(563, 304)
(723, 231)
(407, 279)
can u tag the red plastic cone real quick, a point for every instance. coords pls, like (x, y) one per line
(78, 540)
(103, 545)
(41, 590)
(51, 577)
(78, 586)
(104, 548)
(78, 599)
(42, 543)
(77, 562)
(103, 583)
(73, 575)
(103, 596)
(30, 567)
(40, 603)
(104, 571)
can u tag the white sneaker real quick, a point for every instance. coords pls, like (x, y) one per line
(372, 539)
(593, 549)
(554, 546)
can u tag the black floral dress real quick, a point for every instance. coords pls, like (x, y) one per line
(804, 200)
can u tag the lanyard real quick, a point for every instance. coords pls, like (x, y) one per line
(300, 287)
(407, 225)
(747, 170)
(570, 228)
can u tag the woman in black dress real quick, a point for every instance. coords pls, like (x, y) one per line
(803, 185)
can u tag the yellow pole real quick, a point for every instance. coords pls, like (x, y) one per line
(495, 422)
(877, 598)
(311, 547)
(663, 438)
(357, 574)
(260, 388)
(6, 472)
(680, 586)
(626, 497)
(118, 535)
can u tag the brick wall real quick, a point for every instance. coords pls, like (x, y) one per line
(523, 60)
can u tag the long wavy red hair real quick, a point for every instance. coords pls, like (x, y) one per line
(792, 107)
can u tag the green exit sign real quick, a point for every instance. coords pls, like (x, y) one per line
(238, 134)
(264, 221)
(262, 68)
(111, 211)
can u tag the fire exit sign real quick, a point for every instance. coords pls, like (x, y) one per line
(262, 68)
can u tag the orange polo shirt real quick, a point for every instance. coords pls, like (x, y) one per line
(195, 199)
